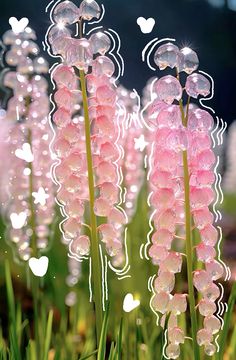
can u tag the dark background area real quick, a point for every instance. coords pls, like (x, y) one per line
(208, 26)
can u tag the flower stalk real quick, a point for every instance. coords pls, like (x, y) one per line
(189, 254)
(32, 220)
(189, 242)
(96, 264)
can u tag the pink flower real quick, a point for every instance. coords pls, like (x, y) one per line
(89, 56)
(175, 131)
(28, 160)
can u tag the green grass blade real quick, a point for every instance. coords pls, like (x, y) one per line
(88, 356)
(232, 346)
(12, 314)
(48, 335)
(31, 351)
(227, 321)
(103, 338)
(14, 349)
(112, 351)
(119, 340)
(10, 293)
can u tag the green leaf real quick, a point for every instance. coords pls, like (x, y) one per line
(112, 352)
(227, 321)
(12, 314)
(10, 293)
(88, 356)
(119, 340)
(103, 338)
(48, 335)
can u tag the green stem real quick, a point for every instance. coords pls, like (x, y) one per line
(189, 243)
(32, 221)
(32, 224)
(189, 254)
(96, 262)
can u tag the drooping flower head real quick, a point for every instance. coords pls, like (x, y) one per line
(182, 177)
(29, 204)
(86, 56)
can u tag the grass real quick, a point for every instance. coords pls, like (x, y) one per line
(69, 333)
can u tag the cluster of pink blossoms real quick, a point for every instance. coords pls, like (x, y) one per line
(229, 180)
(132, 161)
(177, 130)
(26, 182)
(88, 56)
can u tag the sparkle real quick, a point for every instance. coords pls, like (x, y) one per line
(140, 143)
(40, 196)
(61, 25)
